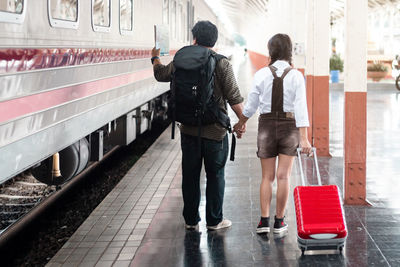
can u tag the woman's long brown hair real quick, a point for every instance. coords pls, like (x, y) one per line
(280, 48)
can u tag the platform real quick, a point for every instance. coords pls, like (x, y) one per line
(140, 222)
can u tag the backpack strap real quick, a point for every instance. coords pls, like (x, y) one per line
(218, 57)
(172, 88)
(233, 147)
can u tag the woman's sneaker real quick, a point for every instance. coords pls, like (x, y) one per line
(263, 226)
(280, 225)
(225, 223)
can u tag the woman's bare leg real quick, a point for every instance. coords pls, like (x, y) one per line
(283, 173)
(268, 176)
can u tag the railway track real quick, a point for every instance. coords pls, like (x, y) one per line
(23, 199)
(20, 195)
(43, 217)
(25, 203)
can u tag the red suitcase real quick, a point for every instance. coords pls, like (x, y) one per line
(319, 214)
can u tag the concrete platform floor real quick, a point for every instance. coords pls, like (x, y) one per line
(140, 223)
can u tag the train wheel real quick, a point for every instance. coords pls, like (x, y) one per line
(398, 82)
(73, 160)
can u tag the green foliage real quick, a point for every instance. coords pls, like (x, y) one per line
(336, 63)
(377, 66)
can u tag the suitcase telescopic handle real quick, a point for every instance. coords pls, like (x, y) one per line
(314, 151)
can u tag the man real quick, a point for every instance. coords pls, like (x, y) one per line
(212, 144)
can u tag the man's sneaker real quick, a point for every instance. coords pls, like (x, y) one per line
(280, 225)
(263, 226)
(191, 227)
(225, 223)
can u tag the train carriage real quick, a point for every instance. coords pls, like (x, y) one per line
(74, 71)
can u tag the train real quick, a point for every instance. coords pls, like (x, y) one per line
(76, 77)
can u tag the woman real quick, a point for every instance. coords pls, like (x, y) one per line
(279, 92)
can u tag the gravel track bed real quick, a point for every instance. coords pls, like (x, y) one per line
(18, 196)
(38, 245)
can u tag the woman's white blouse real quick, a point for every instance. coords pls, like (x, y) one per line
(294, 93)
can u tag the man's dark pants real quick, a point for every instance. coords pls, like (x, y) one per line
(215, 154)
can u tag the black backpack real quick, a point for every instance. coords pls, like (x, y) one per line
(192, 89)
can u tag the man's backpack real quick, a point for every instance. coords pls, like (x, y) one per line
(192, 89)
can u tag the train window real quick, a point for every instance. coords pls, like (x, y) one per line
(12, 11)
(101, 15)
(191, 22)
(64, 13)
(188, 26)
(179, 23)
(184, 24)
(166, 12)
(12, 6)
(173, 20)
(126, 16)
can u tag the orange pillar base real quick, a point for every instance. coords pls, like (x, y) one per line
(355, 184)
(355, 126)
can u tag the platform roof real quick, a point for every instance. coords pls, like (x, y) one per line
(337, 6)
(237, 11)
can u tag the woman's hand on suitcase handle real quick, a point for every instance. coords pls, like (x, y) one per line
(306, 147)
(304, 143)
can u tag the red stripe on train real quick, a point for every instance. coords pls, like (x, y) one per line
(18, 107)
(24, 59)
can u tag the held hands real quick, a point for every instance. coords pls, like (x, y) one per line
(155, 52)
(239, 128)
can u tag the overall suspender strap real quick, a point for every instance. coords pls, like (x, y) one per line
(277, 90)
(273, 70)
(286, 71)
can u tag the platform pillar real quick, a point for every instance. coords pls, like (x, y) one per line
(317, 73)
(355, 106)
(298, 33)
